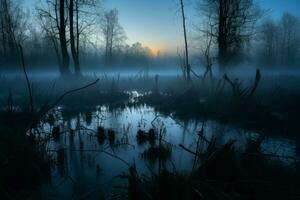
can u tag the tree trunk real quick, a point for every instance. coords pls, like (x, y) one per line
(187, 65)
(9, 29)
(3, 37)
(63, 41)
(72, 38)
(77, 37)
(222, 43)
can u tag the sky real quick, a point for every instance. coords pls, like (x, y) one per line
(157, 23)
(154, 23)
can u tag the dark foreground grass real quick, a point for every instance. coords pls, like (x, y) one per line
(221, 174)
(277, 115)
(24, 163)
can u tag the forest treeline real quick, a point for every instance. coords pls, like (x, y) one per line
(75, 33)
(66, 33)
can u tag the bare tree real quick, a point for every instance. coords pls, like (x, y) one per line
(13, 25)
(234, 24)
(63, 39)
(85, 13)
(114, 34)
(74, 47)
(208, 42)
(51, 31)
(53, 21)
(7, 26)
(269, 36)
(187, 64)
(280, 41)
(290, 40)
(3, 28)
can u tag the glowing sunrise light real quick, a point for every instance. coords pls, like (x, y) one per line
(154, 51)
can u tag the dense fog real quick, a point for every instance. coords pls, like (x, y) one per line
(140, 99)
(92, 38)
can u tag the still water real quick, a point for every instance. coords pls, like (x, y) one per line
(87, 172)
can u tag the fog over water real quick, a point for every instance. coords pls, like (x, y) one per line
(136, 99)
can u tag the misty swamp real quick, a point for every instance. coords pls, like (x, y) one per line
(93, 136)
(149, 100)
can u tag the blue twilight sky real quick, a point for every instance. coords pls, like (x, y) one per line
(157, 23)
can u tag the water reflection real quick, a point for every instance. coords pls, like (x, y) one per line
(84, 145)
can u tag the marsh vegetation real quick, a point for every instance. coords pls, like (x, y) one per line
(86, 113)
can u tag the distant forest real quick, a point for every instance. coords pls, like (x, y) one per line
(82, 34)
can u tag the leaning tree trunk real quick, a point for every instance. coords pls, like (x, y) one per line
(187, 65)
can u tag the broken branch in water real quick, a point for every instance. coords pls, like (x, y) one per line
(65, 94)
(74, 90)
(240, 93)
(46, 108)
(188, 150)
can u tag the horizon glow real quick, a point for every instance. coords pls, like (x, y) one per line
(157, 24)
